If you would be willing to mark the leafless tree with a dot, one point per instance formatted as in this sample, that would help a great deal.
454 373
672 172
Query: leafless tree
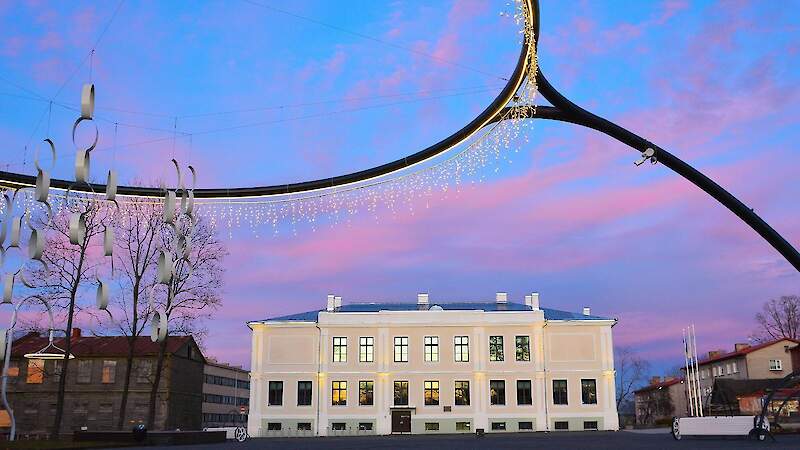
632 371
779 318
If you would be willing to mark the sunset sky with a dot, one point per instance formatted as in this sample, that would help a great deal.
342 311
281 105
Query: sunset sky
268 92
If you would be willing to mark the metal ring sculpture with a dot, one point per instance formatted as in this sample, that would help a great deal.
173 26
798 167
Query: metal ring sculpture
562 110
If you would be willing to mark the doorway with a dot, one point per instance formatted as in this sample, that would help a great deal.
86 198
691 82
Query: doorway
401 421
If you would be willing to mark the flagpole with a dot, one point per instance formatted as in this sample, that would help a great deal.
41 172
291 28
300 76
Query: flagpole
697 380
688 374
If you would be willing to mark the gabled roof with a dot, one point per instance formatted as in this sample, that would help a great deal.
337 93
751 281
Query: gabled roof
549 314
660 385
99 346
744 351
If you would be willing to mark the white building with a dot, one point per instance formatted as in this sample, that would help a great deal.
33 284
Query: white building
431 367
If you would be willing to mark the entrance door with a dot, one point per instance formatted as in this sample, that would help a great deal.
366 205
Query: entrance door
401 421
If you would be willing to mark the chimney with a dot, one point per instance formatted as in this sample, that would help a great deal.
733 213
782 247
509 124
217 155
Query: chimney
337 302
534 300
331 306
76 333
422 299
502 297
740 346
587 311
655 380
714 353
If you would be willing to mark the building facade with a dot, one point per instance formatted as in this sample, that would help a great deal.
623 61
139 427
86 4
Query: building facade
660 401
431 368
226 394
95 383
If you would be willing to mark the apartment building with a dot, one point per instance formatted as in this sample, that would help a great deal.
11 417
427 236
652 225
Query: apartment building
445 367
226 394
660 401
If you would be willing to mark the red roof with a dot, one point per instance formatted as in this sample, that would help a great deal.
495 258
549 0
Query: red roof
744 351
660 385
98 346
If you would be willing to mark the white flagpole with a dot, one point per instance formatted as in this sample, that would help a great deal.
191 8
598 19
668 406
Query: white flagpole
697 383
688 379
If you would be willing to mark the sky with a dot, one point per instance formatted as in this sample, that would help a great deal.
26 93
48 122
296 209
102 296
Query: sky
269 92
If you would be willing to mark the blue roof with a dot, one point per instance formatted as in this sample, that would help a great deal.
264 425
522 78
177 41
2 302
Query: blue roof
549 313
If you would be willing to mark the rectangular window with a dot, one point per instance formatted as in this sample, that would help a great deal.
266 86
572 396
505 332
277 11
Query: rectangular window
109 372
497 392
339 349
775 364
144 371
589 392
339 393
274 426
84 371
338 426
365 426
431 426
401 393
523 345
366 349
303 426
304 393
36 371
13 369
365 392
498 426
524 396
590 425
561 425
401 349
432 348
559 392
462 393
463 426
496 348
275 393
431 393
526 425
461 348
735 369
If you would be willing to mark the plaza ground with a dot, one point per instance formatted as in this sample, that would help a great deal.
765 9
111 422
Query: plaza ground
638 440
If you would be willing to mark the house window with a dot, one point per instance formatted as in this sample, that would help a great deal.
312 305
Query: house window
462 348
561 425
401 393
365 392
524 396
366 349
590 425
523 344
339 393
303 426
497 392
432 348
498 426
144 371
84 371
526 425
338 426
105 408
304 393
559 392
365 426
431 393
274 426
13 369
462 393
340 349
35 371
109 372
275 393
735 368
775 364
431 426
728 369
463 426
589 392
496 348
401 349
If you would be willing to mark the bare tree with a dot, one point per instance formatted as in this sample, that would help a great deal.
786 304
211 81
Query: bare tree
632 371
779 318
192 294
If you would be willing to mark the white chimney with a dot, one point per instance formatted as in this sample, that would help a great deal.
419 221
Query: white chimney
337 302
587 311
501 297
422 299
534 304
331 306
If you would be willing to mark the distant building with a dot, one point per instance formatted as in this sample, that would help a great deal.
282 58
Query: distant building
226 394
95 384
381 368
660 401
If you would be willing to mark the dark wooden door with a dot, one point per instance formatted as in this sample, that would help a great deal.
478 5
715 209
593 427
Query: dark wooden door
401 421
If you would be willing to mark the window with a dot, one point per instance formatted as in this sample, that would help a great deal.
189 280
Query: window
85 371
496 348
303 426
462 348
303 393
590 425
57 366
463 426
735 369
523 345
589 392
499 426
431 393
339 393
35 371
365 392
338 426
109 372
365 426
401 393
366 349
524 392
274 426
339 349
462 393
275 393
431 426
559 392
526 425
401 349
105 408
775 364
145 368
561 425
13 369
432 348
497 392
702 374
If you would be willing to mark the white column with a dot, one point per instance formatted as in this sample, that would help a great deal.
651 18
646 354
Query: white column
256 383
324 382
